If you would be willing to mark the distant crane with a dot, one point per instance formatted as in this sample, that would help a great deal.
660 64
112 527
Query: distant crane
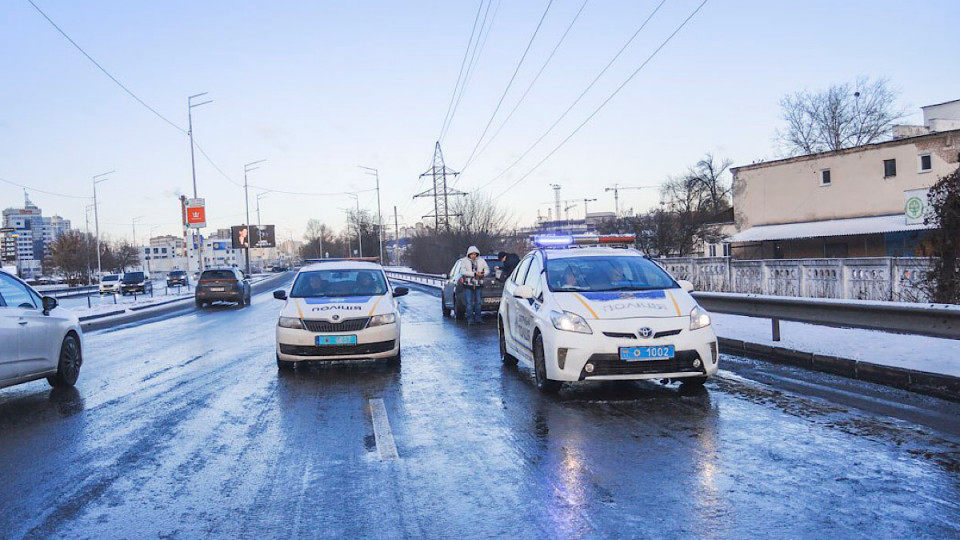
616 194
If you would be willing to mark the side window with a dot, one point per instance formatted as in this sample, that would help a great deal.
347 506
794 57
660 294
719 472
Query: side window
533 275
521 270
455 271
15 294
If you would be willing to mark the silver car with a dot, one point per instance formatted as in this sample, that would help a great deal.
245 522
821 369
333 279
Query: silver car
37 340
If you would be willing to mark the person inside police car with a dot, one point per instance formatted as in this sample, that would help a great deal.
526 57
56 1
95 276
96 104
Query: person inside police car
472 271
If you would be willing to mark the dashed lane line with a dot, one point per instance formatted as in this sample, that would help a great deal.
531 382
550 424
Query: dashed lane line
386 446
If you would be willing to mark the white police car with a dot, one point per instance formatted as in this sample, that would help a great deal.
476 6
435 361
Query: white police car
338 310
602 313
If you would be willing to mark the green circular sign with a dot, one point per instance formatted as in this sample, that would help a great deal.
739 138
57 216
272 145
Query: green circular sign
914 208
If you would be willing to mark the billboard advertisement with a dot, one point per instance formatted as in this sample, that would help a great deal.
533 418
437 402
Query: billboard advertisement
196 214
261 236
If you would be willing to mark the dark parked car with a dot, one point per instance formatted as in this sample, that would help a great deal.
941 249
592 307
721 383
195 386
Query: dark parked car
136 282
222 284
452 297
177 277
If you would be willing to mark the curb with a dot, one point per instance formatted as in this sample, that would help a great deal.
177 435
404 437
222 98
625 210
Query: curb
921 382
101 321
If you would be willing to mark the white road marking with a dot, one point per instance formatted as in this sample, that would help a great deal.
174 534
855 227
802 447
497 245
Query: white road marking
382 432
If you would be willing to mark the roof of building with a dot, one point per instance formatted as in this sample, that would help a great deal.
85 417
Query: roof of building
852 150
827 228
938 104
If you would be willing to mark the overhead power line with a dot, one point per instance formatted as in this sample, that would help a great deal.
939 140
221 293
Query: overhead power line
512 78
580 97
104 70
44 192
609 98
530 86
463 64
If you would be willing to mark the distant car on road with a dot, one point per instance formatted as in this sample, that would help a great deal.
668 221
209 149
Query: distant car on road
177 278
136 282
453 298
36 339
339 310
222 285
110 284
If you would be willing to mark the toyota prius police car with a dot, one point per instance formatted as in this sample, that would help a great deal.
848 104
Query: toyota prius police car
578 308
338 309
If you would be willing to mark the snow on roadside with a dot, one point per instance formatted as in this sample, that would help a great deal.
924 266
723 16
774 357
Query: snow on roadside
921 353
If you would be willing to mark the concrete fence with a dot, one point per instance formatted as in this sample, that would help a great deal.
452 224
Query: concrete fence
869 278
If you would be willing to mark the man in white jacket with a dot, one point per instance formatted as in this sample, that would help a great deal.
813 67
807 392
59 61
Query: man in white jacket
472 271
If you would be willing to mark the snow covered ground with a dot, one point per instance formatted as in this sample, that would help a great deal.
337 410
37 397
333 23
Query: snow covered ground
921 353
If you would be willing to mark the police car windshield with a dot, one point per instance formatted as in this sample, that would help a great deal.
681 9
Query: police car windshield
339 283
614 273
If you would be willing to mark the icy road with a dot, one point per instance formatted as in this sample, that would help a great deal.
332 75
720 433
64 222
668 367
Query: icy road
183 428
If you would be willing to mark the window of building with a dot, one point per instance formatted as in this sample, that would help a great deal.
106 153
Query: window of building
926 163
889 168
163 250
825 177
712 250
726 249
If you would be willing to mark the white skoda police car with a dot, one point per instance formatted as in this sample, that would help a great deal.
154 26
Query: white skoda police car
338 310
579 309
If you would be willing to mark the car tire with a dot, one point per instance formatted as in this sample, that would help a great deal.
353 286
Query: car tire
459 313
693 382
247 300
394 360
544 385
443 308
505 356
68 366
285 365
199 304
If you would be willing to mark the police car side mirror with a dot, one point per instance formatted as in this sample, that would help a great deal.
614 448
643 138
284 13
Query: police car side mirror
49 303
400 291
524 292
280 295
685 285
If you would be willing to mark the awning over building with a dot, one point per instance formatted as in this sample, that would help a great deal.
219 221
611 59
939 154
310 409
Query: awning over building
833 227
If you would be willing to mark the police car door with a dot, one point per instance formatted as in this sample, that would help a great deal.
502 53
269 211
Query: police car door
527 309
510 302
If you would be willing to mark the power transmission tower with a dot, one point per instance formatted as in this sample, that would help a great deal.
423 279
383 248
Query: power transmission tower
440 193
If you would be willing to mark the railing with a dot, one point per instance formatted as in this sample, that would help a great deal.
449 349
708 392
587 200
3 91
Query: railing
430 280
897 279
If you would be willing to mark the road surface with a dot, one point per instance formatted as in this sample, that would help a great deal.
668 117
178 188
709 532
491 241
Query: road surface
183 428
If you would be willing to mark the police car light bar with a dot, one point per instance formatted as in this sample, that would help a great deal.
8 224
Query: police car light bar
562 241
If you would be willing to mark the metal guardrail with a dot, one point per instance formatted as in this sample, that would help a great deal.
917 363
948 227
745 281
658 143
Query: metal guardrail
430 280
936 320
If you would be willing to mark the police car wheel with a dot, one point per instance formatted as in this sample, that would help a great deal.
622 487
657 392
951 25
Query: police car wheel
544 384
460 312
443 308
394 360
505 355
693 381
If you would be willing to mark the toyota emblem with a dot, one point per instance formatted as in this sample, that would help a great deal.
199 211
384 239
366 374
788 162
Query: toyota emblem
646 332
336 317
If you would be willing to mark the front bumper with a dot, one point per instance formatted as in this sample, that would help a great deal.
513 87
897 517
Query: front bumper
568 353
110 289
296 345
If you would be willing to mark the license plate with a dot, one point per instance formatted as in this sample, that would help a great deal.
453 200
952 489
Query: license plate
640 354
490 300
217 289
336 340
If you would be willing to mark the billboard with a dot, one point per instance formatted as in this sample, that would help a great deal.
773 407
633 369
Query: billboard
196 214
262 236
221 245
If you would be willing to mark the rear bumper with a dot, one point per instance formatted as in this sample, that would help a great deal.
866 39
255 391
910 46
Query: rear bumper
219 296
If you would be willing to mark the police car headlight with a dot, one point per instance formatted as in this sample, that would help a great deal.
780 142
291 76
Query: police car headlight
290 322
380 320
570 322
699 318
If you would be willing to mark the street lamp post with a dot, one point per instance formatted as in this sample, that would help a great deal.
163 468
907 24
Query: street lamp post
133 222
357 220
86 238
259 223
193 171
246 199
96 217
376 174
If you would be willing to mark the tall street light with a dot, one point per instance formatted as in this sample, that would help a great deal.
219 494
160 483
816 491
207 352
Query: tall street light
246 198
96 217
357 221
193 171
376 173
259 224
86 238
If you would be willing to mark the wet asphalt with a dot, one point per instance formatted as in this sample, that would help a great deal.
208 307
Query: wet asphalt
183 428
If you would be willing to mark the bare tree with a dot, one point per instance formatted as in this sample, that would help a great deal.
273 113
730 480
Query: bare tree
317 240
943 281
691 201
842 116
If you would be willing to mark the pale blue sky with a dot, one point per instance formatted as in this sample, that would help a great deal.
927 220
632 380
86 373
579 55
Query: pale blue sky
318 88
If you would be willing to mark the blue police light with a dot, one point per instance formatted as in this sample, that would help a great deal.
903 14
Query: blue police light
552 241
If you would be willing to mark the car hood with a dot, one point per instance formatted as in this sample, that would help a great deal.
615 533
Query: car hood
627 304
337 309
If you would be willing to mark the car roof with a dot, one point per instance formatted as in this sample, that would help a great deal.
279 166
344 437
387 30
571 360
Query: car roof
341 265
569 253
